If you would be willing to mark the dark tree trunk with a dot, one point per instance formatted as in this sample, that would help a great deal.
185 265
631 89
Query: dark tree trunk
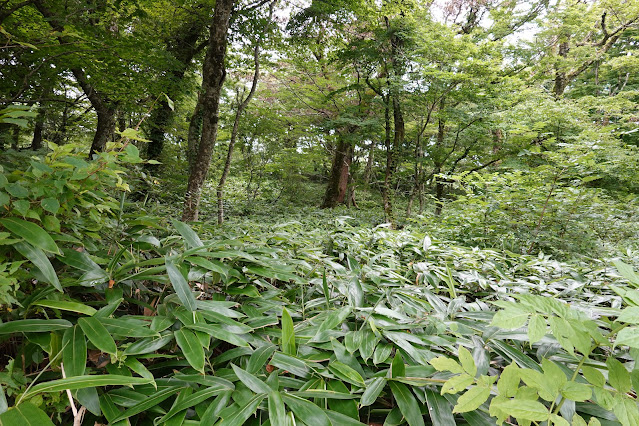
159 121
369 163
338 181
213 75
36 142
15 138
439 186
104 108
105 130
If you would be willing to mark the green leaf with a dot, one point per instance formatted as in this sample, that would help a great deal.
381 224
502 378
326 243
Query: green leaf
467 361
523 409
509 381
148 403
439 409
510 319
40 261
219 333
81 382
238 417
398 369
74 352
536 328
64 305
276 409
457 383
259 358
98 334
191 348
629 315
146 346
190 237
16 190
618 376
288 334
472 399
51 205
169 102
306 411
25 414
180 285
629 336
407 404
139 368
33 326
594 376
291 364
442 363
193 399
372 392
31 233
627 272
576 391
251 382
346 373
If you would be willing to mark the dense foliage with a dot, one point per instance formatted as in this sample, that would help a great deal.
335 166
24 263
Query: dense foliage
319 213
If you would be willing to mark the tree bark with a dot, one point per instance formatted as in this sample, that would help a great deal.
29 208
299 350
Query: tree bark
36 142
386 189
213 75
338 181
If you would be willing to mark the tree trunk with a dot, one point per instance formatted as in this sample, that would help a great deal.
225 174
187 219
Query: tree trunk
15 138
105 130
338 181
213 75
369 163
561 77
36 142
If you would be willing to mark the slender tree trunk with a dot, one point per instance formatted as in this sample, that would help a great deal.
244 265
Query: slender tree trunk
214 73
159 121
105 130
15 137
369 163
439 186
561 77
236 126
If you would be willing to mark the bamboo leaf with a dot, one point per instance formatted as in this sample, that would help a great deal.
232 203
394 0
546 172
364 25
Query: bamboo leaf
98 334
180 285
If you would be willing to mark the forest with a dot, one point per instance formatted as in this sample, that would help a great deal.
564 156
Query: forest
319 212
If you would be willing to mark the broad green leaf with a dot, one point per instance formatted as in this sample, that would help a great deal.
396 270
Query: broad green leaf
33 326
594 376
259 358
238 417
629 315
80 382
629 336
74 352
32 233
509 381
510 319
523 409
291 364
189 235
346 373
442 363
324 394
306 411
407 404
148 345
51 205
457 383
40 261
180 285
64 305
98 334
127 328
467 361
25 414
191 348
472 399
193 399
219 333
627 272
536 328
150 402
618 376
139 368
251 382
398 369
288 334
439 409
276 409
576 391
373 390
